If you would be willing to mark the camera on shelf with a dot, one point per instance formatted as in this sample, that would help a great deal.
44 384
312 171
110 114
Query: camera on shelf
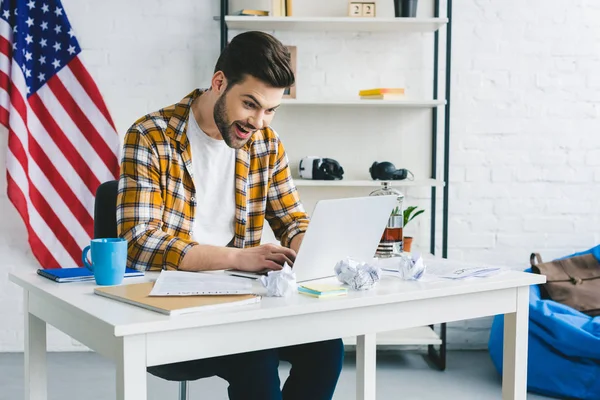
320 168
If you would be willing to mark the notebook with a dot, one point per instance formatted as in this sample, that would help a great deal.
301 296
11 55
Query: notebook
185 283
81 274
322 290
138 294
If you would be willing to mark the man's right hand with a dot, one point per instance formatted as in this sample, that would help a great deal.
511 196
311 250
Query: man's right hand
267 256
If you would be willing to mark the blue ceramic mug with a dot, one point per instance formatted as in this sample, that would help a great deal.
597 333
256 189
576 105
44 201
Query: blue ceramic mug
109 258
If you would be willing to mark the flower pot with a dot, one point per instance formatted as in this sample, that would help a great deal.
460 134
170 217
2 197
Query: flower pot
407 243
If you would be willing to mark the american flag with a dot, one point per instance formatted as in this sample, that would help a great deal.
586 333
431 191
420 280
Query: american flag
62 142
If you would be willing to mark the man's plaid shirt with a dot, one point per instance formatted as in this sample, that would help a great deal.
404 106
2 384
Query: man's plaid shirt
156 203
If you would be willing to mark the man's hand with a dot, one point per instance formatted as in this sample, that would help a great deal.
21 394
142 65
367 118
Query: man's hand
267 256
296 242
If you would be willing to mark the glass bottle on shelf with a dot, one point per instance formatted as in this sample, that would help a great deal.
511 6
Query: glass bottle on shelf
391 243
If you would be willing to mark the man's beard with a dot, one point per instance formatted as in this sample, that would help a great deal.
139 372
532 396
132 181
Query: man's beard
227 128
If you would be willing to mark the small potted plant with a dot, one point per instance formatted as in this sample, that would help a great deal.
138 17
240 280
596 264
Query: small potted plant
409 214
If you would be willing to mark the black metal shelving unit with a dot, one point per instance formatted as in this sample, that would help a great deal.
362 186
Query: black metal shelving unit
437 354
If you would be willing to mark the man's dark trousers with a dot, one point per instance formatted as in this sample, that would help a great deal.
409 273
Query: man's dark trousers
314 374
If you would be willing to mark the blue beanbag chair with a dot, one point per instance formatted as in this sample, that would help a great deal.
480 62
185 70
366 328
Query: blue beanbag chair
564 347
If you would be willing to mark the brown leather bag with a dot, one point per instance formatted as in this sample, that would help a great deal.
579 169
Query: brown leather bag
573 281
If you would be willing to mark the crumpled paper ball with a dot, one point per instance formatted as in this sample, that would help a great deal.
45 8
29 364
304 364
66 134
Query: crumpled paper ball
358 275
280 283
409 267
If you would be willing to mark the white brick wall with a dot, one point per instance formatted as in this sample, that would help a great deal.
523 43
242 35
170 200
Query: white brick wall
525 135
525 150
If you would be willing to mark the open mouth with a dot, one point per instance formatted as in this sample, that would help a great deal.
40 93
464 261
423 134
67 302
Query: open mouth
242 132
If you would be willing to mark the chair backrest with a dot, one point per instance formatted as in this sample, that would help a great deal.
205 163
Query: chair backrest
105 210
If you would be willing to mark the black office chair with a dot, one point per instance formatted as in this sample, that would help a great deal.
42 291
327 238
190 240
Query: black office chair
105 226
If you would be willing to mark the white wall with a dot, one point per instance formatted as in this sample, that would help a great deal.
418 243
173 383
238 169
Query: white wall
525 148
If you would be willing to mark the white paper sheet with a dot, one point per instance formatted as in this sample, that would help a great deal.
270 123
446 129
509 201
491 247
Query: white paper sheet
450 269
183 283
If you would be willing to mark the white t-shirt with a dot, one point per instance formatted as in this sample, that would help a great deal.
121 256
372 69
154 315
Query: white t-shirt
213 164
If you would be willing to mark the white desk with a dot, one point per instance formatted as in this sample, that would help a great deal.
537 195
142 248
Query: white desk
135 338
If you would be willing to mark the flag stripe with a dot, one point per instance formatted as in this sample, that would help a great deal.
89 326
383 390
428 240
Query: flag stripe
4 87
38 248
63 143
18 141
87 82
58 206
93 113
4 81
45 211
72 133
17 102
38 223
4 63
3 116
5 47
62 188
16 147
85 127
58 160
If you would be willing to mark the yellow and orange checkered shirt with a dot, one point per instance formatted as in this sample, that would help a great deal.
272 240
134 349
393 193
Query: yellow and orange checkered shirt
156 203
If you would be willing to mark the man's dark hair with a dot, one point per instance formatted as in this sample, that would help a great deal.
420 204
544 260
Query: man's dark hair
257 54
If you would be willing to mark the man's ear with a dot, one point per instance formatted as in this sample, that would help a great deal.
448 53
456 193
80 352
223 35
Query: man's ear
219 82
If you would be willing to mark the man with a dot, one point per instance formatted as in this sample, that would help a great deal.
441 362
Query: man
198 179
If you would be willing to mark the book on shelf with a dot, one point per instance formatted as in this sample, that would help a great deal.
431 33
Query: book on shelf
281 8
252 13
381 91
384 97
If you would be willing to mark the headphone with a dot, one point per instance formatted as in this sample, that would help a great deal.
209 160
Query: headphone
386 171
319 168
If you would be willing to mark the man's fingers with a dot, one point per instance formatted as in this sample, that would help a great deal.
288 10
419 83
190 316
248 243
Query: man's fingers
272 265
280 258
289 253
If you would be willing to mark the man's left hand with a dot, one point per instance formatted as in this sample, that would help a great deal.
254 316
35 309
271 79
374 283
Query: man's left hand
296 242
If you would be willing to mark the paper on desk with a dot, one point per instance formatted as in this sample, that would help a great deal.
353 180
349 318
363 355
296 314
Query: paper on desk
280 283
448 269
358 275
183 283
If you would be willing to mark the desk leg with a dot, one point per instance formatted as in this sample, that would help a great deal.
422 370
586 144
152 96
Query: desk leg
131 369
514 376
365 366
36 387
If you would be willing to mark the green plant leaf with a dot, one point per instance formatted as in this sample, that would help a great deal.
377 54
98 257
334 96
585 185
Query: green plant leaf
416 214
409 216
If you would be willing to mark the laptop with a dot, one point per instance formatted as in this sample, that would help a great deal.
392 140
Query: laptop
339 228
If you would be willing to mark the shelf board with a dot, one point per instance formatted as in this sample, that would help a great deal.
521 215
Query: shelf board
414 336
367 183
408 103
352 24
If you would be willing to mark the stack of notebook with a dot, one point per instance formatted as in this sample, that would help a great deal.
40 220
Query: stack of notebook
80 274
138 294
382 94
320 290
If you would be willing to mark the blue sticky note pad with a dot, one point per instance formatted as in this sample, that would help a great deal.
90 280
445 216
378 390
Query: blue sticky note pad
77 274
